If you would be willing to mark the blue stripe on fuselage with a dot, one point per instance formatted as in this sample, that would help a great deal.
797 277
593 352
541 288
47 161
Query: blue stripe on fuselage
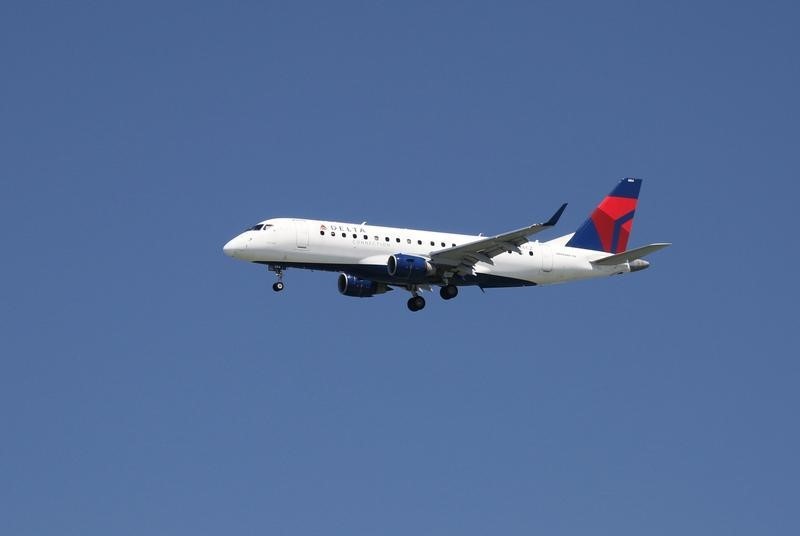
379 273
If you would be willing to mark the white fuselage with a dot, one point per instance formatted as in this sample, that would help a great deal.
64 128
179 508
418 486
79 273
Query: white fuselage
364 250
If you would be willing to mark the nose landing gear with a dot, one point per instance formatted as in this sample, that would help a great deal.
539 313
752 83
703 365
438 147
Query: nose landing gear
278 286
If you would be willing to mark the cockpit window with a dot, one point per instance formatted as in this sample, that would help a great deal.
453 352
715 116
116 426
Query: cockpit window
256 227
260 227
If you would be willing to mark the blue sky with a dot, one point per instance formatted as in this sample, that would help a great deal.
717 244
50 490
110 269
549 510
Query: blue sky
149 384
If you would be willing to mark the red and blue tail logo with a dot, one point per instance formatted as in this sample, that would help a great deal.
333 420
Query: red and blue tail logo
609 226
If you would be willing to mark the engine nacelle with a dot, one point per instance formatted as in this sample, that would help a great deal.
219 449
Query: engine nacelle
350 285
409 267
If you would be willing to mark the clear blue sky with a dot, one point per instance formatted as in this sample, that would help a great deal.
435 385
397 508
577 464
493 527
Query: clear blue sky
151 385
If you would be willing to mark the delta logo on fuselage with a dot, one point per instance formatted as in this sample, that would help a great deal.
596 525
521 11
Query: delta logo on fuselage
362 237
342 227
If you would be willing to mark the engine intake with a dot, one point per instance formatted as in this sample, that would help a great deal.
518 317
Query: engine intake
409 267
350 285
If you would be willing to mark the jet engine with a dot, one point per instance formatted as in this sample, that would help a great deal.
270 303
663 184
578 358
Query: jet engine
350 285
409 267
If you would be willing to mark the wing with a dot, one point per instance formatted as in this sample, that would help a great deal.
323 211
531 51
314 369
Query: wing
462 259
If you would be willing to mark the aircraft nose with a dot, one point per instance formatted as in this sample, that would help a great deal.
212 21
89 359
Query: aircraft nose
227 249
233 247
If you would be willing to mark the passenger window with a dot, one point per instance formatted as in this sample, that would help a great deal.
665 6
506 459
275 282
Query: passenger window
377 238
387 238
432 243
419 242
333 233
408 240
443 244
365 237
454 245
322 233
398 240
530 253
355 235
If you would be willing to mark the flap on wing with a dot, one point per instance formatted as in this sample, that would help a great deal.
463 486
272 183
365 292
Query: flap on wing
631 254
484 249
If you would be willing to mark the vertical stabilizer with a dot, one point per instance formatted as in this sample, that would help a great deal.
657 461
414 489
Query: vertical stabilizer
609 226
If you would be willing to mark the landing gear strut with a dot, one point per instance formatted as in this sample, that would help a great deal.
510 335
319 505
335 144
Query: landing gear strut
416 302
278 286
448 292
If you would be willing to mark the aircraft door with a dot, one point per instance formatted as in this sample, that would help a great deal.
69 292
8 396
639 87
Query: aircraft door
547 259
301 233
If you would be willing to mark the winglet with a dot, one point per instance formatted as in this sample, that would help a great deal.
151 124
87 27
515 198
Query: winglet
554 218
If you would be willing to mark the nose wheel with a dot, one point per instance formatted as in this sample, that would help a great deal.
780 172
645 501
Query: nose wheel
278 286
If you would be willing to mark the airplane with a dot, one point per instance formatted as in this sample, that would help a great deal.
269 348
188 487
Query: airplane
374 260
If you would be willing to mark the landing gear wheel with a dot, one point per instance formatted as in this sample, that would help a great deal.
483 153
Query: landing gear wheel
416 303
448 292
277 287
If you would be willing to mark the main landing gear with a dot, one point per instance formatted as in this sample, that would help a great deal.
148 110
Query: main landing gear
278 286
448 292
416 303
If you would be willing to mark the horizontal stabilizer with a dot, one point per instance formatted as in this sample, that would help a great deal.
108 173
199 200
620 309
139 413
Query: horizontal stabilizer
630 255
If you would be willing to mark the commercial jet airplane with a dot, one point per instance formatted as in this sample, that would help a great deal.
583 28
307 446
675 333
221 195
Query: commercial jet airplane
373 260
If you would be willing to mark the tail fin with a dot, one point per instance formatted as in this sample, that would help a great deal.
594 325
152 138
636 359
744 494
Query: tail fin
609 226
